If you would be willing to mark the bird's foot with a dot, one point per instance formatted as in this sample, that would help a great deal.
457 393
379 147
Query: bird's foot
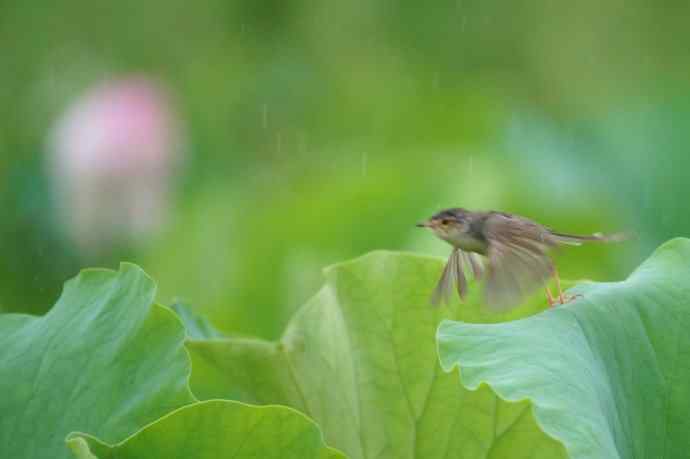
565 298
568 298
562 298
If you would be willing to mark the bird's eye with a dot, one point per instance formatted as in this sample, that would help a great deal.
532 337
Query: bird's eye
445 221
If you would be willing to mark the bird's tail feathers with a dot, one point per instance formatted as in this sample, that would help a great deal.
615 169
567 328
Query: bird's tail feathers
574 239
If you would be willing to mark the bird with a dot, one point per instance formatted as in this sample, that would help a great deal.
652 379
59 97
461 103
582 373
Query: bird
510 251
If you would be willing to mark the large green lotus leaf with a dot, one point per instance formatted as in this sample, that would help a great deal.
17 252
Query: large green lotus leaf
360 359
216 429
606 375
104 360
197 326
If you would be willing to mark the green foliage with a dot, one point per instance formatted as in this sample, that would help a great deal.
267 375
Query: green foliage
108 362
104 360
360 359
105 373
216 429
605 375
197 327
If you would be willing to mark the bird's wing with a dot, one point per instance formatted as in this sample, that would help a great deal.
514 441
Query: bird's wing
474 261
453 274
518 259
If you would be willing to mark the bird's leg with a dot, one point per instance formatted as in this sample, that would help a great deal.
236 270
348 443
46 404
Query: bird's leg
562 297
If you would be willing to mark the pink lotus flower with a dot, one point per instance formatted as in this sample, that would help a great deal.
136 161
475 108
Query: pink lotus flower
113 157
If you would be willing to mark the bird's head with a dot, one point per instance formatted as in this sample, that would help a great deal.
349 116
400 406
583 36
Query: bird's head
451 225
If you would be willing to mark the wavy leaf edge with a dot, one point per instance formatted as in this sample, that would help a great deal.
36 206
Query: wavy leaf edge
449 365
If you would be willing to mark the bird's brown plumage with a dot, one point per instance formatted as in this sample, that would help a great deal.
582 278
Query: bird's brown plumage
518 260
515 250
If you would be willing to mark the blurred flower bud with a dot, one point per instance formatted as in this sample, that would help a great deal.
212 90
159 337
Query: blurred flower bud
113 157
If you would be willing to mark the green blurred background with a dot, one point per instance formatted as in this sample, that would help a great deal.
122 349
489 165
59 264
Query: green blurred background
318 131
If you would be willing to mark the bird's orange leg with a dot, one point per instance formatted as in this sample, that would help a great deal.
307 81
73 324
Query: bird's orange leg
562 297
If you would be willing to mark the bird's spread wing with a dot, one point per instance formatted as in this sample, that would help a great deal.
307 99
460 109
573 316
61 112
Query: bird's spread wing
518 260
453 275
473 260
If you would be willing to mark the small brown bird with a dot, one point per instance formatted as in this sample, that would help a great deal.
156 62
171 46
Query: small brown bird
515 249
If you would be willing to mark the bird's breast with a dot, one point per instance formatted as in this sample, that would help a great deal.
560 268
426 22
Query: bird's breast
469 244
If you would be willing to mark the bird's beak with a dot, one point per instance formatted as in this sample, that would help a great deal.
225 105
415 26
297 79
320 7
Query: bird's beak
423 224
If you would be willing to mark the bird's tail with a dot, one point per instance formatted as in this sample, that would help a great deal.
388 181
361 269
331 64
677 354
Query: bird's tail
574 239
